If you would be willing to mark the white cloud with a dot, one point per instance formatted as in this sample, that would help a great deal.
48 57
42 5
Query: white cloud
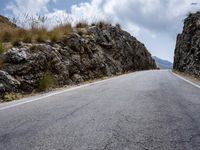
133 15
137 15
155 18
88 11
19 7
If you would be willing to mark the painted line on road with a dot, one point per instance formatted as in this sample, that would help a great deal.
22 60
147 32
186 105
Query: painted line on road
57 93
53 94
188 81
43 97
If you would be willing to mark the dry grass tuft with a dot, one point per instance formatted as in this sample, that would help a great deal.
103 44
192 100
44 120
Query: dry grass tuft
11 96
38 33
59 32
34 35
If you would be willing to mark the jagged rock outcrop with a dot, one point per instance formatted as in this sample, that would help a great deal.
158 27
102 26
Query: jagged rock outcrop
75 58
187 52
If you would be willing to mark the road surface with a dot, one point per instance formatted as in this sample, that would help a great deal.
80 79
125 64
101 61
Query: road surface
150 110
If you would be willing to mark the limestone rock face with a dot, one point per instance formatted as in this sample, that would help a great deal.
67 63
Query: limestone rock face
187 52
74 59
8 83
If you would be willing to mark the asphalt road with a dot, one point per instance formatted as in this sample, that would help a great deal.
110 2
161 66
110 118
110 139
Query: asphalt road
150 110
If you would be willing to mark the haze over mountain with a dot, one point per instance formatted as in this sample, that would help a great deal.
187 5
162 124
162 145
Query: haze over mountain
163 64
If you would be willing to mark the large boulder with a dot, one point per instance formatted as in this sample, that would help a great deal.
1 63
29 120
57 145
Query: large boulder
187 52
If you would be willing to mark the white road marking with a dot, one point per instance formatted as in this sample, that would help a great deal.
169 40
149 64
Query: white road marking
51 94
190 82
56 93
43 97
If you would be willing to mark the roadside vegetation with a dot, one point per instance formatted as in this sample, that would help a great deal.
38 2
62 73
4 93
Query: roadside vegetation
47 82
34 30
12 96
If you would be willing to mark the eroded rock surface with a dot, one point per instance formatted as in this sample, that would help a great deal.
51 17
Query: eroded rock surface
75 58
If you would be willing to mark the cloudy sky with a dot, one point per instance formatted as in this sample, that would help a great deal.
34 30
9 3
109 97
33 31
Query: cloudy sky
154 22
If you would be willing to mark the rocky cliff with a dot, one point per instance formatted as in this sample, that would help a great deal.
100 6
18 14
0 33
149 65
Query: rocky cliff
91 54
187 52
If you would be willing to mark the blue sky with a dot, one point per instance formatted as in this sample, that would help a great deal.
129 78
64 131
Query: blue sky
156 23
60 4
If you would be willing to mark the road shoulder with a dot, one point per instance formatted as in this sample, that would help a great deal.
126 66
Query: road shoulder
195 81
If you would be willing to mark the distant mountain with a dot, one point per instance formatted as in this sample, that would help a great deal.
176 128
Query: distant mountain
163 64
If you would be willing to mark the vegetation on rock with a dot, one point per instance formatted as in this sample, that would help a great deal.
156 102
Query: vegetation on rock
46 82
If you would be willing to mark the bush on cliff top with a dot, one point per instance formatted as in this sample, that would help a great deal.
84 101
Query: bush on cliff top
38 32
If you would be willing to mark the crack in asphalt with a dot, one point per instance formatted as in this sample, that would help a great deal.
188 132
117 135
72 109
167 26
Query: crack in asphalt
150 111
74 111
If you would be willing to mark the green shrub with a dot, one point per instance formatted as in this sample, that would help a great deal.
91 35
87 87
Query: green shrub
47 82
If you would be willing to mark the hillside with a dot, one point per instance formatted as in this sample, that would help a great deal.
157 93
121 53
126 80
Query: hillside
5 23
163 64
87 53
187 52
